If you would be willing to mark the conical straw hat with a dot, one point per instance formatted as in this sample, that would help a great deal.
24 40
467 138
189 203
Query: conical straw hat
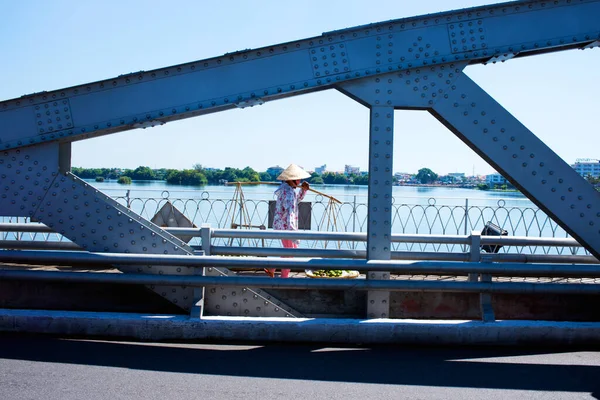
292 173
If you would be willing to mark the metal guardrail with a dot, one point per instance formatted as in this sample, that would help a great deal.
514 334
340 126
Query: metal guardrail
41 257
479 267
429 216
257 251
339 284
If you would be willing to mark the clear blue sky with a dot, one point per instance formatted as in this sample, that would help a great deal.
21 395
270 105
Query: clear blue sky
49 45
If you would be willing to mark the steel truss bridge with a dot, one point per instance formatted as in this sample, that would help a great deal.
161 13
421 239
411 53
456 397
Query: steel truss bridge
412 63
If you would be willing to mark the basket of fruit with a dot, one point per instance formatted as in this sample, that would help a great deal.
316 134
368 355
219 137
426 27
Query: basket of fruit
333 273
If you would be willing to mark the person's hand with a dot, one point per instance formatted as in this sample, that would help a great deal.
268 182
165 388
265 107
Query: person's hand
305 185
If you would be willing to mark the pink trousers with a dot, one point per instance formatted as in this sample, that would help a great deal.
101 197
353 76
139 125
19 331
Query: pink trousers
288 244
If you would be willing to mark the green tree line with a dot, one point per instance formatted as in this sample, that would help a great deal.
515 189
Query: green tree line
198 176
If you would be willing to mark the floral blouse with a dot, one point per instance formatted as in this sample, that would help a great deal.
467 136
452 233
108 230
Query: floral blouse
286 207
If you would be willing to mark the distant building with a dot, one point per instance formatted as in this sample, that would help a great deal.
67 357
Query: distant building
403 177
321 170
495 179
457 176
349 169
587 166
275 171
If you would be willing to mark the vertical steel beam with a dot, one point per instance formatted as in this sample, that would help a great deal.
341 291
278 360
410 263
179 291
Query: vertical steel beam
379 230
64 157
416 88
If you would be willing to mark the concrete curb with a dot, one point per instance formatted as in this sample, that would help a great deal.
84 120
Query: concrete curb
349 331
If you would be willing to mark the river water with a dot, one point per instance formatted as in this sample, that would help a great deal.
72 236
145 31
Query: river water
416 209
423 195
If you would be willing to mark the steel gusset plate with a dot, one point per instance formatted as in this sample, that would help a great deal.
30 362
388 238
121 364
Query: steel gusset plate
242 302
33 187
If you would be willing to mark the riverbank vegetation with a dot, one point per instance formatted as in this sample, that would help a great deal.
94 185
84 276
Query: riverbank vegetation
199 176
124 180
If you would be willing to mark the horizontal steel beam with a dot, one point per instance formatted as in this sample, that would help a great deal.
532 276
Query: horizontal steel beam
403 255
335 253
40 257
303 284
333 236
147 328
38 245
25 227
250 77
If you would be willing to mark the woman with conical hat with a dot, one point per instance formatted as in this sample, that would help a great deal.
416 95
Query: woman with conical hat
286 206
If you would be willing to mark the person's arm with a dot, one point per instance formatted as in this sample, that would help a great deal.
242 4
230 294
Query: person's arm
303 189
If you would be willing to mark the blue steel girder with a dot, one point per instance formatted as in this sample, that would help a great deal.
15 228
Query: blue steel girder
244 78
522 158
33 185
379 228
407 63
493 133
418 88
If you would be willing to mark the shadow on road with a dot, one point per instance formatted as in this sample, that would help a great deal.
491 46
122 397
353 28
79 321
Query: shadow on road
467 367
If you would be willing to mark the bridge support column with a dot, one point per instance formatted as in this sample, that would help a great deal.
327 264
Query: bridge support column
381 151
382 95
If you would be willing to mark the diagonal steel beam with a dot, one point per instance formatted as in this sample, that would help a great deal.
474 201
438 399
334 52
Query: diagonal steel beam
498 137
522 158
34 186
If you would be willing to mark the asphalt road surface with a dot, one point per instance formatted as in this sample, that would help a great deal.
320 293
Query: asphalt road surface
52 368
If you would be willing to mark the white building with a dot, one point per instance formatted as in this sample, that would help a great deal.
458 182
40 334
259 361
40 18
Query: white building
587 166
349 169
457 176
495 179
321 170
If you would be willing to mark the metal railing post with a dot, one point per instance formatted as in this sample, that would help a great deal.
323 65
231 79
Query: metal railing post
354 220
475 251
198 306
485 299
466 219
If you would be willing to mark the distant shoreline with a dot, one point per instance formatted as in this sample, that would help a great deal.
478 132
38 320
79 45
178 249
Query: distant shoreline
455 185
431 185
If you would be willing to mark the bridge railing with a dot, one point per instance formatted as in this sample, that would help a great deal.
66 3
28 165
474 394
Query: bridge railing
210 240
479 273
478 266
422 216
